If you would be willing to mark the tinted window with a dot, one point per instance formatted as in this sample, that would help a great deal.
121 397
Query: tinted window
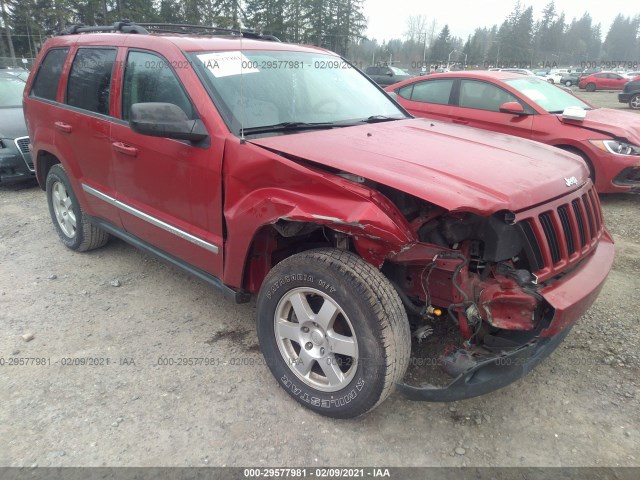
48 77
601 75
432 91
148 78
483 95
89 83
405 92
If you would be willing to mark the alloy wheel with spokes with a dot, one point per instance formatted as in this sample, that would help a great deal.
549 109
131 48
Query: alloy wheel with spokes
316 338
63 209
635 102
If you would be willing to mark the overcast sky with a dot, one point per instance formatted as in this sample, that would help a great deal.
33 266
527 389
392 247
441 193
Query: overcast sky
388 19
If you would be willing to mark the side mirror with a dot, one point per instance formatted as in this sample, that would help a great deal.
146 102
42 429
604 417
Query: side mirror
574 113
165 120
512 107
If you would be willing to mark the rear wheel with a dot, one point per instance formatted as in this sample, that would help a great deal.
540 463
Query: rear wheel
568 83
591 87
333 331
550 80
634 102
73 227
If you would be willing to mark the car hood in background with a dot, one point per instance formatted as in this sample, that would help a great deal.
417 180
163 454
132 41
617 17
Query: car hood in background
616 123
456 167
12 123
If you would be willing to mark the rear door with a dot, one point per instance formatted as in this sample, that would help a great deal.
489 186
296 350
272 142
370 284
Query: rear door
83 128
428 98
169 191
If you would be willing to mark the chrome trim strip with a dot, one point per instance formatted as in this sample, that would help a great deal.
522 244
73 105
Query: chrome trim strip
15 140
152 220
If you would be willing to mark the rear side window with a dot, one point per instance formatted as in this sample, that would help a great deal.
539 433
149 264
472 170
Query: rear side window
432 91
89 83
48 77
148 78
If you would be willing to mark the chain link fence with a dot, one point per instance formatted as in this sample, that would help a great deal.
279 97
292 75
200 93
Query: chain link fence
17 62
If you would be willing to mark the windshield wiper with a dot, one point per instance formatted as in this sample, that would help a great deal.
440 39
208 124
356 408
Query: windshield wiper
290 126
380 118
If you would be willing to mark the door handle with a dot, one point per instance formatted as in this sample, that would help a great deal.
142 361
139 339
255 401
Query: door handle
127 150
63 127
460 121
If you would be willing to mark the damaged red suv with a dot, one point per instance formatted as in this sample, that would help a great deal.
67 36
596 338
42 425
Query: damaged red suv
280 171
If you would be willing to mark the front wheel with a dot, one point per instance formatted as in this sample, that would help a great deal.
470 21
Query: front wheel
591 87
568 83
634 102
333 331
72 225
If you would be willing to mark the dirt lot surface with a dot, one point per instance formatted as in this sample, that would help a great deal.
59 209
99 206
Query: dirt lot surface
126 310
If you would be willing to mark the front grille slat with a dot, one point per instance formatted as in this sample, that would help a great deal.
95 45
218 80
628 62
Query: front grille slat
551 236
567 229
587 206
580 219
563 233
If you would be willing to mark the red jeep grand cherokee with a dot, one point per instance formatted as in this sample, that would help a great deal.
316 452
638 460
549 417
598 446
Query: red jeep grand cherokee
281 171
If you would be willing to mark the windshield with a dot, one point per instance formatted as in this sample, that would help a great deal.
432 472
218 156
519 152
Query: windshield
551 98
269 88
11 91
398 71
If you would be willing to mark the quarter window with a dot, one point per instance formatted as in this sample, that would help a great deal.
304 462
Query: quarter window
148 78
48 77
89 84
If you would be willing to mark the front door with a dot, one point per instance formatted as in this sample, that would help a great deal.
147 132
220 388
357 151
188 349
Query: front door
169 191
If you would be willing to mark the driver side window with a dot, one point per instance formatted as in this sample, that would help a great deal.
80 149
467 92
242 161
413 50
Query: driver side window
148 78
483 96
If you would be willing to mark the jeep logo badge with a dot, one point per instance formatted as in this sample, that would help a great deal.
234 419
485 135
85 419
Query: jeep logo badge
571 181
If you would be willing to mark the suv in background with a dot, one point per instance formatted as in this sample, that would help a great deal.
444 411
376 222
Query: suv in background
385 76
631 94
281 171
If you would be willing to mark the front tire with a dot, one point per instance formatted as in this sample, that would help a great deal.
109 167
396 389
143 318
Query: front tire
72 225
333 331
568 83
634 102
591 87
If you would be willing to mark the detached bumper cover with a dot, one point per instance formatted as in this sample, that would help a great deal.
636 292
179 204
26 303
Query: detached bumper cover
570 296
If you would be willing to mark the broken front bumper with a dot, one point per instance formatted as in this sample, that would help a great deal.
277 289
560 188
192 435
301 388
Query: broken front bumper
570 297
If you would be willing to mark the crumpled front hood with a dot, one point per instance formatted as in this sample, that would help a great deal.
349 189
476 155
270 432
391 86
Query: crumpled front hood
456 167
616 123
12 123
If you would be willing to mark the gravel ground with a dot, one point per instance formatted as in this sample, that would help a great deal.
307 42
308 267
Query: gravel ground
118 305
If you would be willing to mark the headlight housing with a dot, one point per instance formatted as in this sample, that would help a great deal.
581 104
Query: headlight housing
616 147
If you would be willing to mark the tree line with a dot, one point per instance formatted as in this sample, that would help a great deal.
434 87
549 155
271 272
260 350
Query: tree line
521 40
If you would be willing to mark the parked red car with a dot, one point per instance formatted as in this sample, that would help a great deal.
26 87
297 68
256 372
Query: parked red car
525 106
281 171
602 81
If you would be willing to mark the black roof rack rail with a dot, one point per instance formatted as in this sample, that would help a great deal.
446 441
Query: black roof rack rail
204 30
126 26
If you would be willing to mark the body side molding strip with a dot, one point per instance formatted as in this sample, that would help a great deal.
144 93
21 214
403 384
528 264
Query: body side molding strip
152 220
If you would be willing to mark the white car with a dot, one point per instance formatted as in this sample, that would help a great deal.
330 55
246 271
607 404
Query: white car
555 76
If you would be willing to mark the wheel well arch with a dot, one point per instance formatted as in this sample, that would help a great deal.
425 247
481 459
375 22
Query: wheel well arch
273 243
44 162
583 155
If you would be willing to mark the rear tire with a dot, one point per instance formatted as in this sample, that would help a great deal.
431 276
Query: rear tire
591 87
568 83
634 102
333 332
72 225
